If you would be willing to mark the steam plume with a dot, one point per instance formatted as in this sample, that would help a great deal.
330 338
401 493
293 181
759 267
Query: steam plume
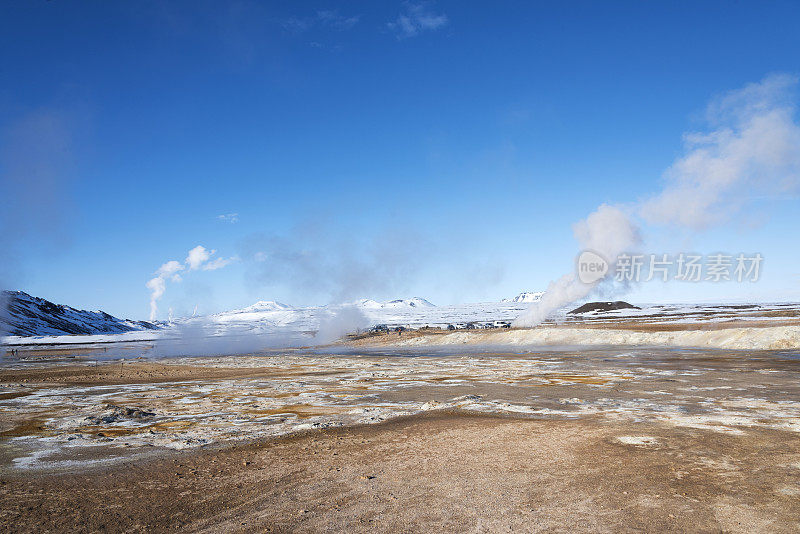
158 284
339 322
751 150
314 263
607 231
203 337
199 258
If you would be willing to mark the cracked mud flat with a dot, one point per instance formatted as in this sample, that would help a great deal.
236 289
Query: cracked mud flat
399 439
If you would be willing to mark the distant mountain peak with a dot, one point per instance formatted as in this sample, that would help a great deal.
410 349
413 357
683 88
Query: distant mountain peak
262 306
527 296
25 315
370 304
414 302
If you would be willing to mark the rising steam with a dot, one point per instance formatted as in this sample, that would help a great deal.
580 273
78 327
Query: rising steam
315 264
158 285
751 150
203 336
199 258
609 232
338 322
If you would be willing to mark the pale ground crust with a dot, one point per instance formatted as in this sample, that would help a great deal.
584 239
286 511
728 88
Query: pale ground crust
616 440
437 472
730 335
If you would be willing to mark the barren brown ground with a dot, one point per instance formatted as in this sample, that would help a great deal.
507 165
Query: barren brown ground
449 471
444 472
129 372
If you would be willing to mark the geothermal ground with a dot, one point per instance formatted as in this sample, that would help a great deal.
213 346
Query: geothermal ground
410 432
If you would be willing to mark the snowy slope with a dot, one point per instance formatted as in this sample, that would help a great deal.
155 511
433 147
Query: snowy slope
415 302
25 315
527 296
263 306
399 304
417 313
275 319
413 312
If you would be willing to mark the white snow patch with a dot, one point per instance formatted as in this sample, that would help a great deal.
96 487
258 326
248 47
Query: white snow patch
638 440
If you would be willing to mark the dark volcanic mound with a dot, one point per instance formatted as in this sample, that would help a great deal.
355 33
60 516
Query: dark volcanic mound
604 307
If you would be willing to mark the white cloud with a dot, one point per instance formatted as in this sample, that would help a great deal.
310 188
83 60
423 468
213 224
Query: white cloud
219 263
327 18
753 149
296 25
415 19
333 19
232 218
197 257
169 268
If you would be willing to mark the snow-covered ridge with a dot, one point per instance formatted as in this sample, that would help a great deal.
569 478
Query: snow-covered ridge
261 306
416 302
413 312
29 316
268 306
269 318
24 315
526 296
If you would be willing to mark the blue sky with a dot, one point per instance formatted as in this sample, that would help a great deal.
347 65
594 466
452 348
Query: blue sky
441 149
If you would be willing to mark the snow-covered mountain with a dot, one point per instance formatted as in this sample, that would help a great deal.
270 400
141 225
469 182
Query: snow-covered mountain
409 312
263 306
527 296
369 304
28 316
416 302
31 316
24 315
